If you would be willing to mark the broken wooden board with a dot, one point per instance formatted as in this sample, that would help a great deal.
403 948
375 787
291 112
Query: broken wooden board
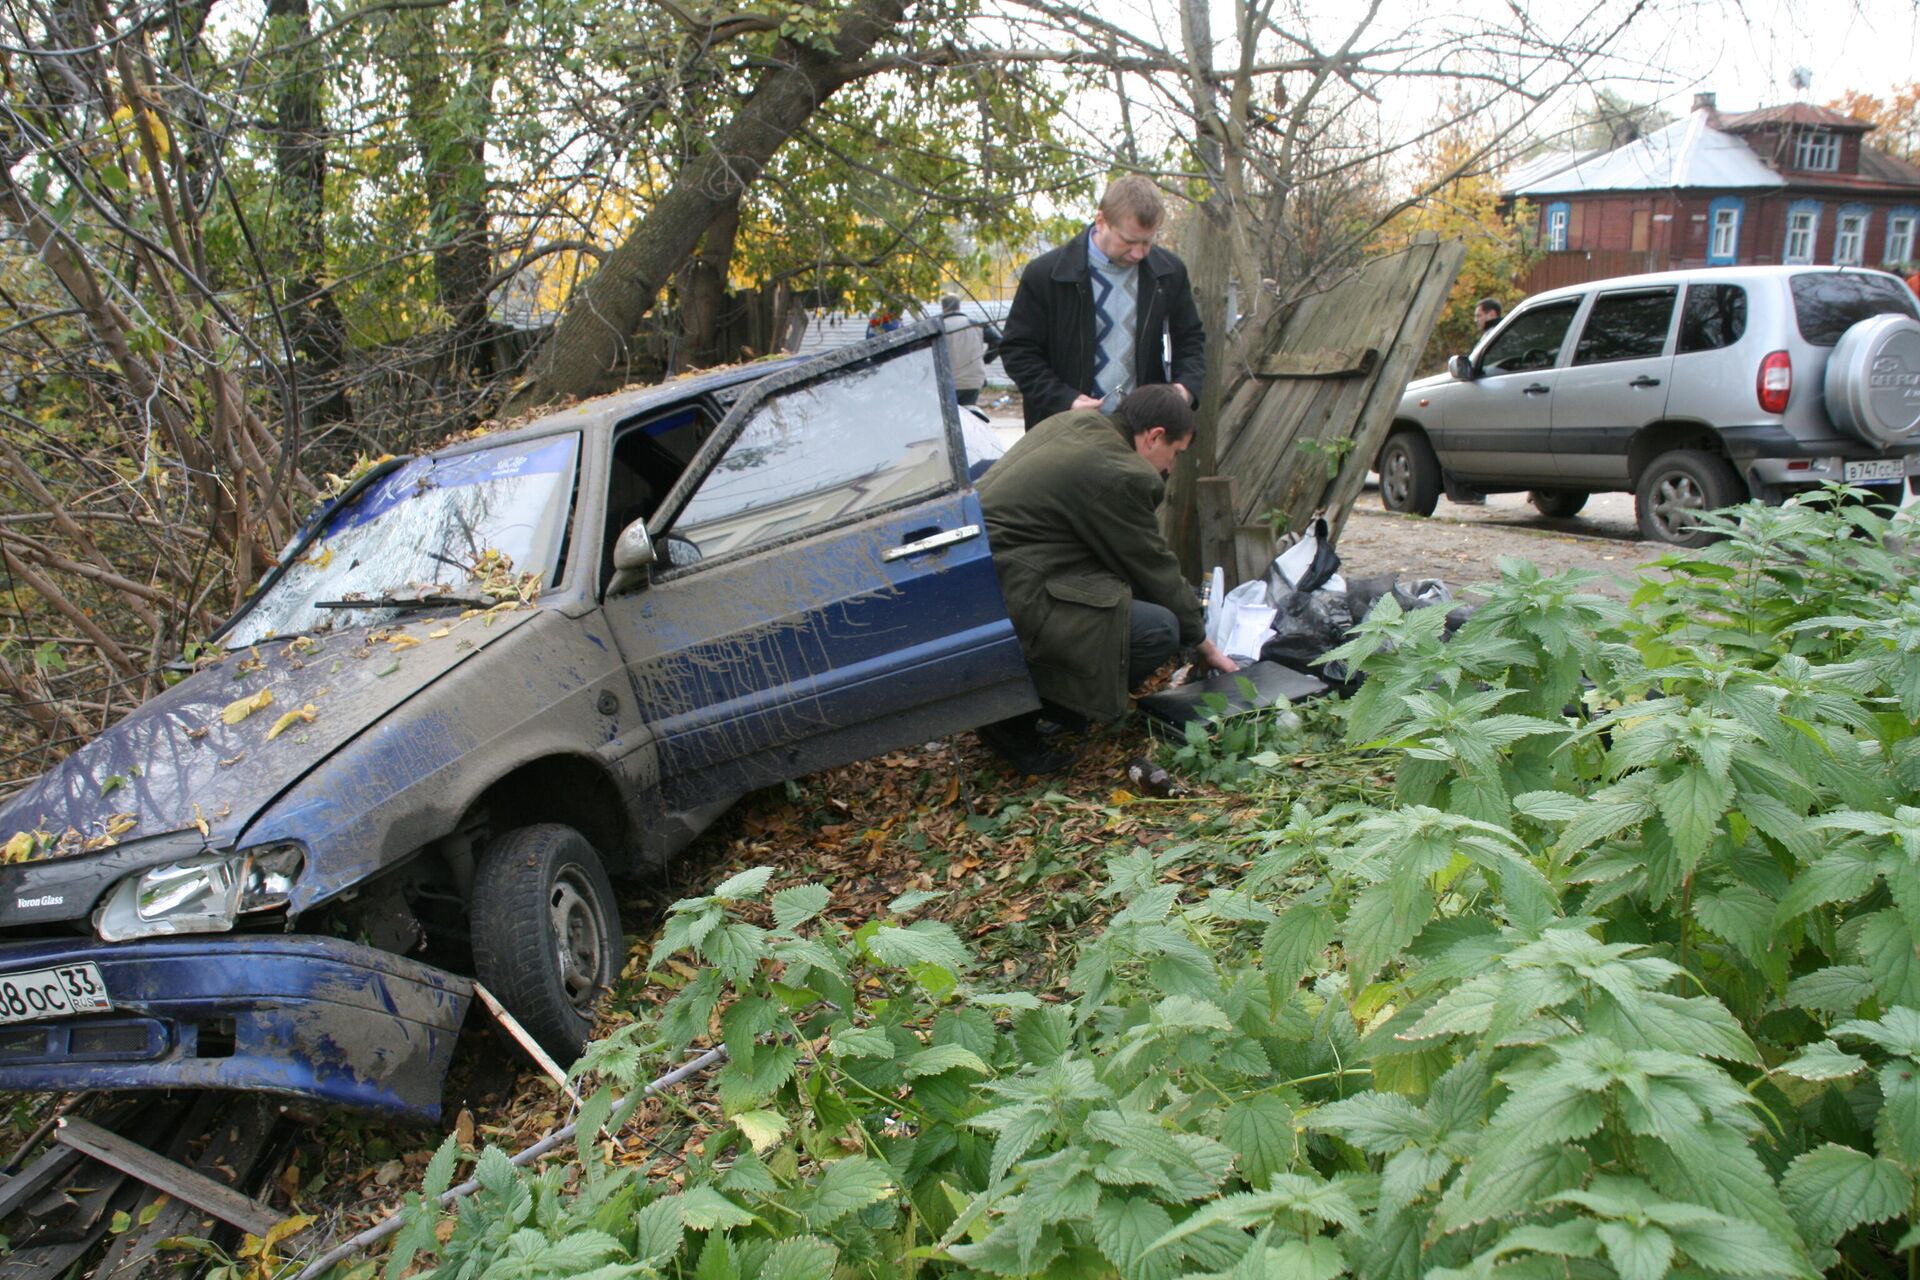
1319 364
1297 445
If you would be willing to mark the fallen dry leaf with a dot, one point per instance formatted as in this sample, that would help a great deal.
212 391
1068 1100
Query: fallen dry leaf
400 642
240 708
19 847
304 715
440 633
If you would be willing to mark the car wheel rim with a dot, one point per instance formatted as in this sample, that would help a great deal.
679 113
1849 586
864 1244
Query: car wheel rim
1677 504
577 942
1396 477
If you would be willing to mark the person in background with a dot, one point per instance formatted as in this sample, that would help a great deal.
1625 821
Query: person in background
1913 278
1486 314
1105 313
1095 593
967 345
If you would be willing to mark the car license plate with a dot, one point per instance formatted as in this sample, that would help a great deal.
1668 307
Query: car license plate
52 993
1878 469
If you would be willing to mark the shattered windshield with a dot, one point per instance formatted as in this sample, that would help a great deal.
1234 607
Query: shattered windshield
421 530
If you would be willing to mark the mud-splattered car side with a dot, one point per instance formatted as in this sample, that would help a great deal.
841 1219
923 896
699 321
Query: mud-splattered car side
479 682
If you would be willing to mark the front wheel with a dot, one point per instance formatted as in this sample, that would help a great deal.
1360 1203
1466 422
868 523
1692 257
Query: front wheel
546 932
1559 503
1409 474
1676 489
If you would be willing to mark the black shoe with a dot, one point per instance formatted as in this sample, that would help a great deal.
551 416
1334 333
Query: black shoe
1018 743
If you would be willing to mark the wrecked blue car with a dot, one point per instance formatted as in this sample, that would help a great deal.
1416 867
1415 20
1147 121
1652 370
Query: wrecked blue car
479 682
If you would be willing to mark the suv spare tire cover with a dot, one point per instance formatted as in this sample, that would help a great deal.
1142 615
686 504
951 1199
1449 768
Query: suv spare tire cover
1873 380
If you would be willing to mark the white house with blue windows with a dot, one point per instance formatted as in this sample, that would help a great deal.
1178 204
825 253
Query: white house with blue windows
1793 184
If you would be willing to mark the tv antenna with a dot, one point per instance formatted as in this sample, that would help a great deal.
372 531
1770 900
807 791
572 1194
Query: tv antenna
1801 78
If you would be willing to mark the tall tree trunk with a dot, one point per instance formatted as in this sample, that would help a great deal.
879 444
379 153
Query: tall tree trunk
300 161
703 291
591 339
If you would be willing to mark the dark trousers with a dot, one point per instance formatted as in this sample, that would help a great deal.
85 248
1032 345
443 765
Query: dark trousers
1155 637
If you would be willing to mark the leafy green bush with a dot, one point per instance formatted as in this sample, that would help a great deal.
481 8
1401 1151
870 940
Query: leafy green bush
1625 983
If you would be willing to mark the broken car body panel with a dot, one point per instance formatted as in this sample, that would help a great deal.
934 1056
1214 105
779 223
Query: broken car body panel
825 594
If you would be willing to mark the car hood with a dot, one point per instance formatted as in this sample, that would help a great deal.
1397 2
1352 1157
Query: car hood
217 748
1429 382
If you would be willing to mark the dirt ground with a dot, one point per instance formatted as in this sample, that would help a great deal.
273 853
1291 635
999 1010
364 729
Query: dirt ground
1462 545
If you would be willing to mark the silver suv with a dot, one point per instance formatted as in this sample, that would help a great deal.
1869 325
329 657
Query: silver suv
1693 390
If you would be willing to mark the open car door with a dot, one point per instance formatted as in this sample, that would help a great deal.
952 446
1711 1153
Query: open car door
823 590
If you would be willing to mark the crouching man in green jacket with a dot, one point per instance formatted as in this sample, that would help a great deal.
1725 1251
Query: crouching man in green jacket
1095 593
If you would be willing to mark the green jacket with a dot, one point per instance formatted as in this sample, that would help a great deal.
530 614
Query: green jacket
1070 518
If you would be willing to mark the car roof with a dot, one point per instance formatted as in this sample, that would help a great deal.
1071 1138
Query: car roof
616 406
1655 278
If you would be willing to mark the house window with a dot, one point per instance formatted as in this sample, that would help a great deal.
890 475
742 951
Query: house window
1850 237
1817 149
1803 223
1557 217
1899 238
1724 246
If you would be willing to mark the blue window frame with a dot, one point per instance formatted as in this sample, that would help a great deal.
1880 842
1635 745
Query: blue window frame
1724 216
1902 222
1803 231
1559 217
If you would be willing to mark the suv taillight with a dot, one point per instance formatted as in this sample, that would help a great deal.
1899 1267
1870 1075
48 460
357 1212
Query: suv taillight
1775 383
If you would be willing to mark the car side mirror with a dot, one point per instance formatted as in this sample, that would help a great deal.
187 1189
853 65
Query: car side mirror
632 553
1460 367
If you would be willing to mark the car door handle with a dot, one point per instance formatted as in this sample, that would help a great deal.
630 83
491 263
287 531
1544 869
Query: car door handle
1644 381
934 542
1537 389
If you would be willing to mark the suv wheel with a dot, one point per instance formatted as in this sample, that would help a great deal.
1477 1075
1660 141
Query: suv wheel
546 932
1409 474
1558 502
1676 488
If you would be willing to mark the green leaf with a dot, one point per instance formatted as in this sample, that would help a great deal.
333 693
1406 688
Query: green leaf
1698 1025
912 900
922 942
1714 1166
1260 1132
1833 1189
1185 1011
1692 804
1841 876
1840 989
1316 1259
1897 1031
747 884
1547 806
763 1129
1641 1252
1822 1060
1377 1123
794 907
944 1057
1022 1128
704 1209
658 1230
1900 1114
861 1042
1510 1186
1735 1248
847 1186
800 1258
439 1175
1377 930
1886 945
1297 941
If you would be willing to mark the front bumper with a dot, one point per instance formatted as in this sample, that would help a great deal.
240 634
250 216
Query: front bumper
312 1017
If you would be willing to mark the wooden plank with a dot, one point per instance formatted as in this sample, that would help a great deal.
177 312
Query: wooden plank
1252 550
182 1183
36 1177
1319 364
1213 497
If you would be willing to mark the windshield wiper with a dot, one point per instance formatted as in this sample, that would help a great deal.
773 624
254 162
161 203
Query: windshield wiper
418 600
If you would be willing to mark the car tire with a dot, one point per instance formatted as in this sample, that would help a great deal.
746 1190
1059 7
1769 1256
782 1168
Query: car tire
1675 488
1409 474
546 932
1559 503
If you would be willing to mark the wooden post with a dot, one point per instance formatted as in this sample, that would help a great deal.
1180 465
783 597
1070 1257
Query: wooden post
1213 498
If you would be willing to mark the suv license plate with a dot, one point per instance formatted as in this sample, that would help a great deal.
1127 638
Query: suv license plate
52 993
1878 469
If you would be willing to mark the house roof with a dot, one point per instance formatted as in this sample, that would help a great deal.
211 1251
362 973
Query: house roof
1542 166
1688 153
1794 113
1878 166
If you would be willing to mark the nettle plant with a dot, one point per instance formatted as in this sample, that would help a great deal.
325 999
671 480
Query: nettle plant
1624 984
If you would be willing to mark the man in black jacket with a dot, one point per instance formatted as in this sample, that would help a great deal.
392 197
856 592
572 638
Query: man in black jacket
1093 319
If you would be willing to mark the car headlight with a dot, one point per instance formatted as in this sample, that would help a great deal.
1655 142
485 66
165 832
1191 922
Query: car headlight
203 894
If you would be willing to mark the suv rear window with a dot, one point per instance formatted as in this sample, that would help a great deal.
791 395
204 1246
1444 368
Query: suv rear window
1715 317
1828 303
